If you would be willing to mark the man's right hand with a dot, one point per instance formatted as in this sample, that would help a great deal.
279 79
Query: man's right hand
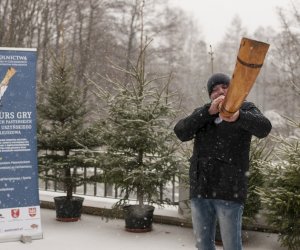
214 106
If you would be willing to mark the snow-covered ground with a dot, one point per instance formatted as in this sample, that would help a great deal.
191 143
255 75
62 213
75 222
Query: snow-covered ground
97 233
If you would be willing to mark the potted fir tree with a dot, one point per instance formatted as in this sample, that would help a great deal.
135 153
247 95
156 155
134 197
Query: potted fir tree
140 144
61 113
259 156
281 192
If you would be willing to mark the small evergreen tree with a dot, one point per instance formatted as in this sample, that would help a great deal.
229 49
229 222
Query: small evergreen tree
259 156
61 127
281 194
141 149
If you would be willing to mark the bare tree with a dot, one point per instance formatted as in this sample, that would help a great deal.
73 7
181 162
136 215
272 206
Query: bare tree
226 51
287 61
18 22
263 90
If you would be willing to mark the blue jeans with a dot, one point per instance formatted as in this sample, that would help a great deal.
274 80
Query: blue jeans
206 212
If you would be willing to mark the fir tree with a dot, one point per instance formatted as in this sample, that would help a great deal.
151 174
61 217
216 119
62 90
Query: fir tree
140 144
61 127
259 157
281 194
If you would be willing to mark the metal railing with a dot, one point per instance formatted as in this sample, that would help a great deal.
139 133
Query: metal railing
97 189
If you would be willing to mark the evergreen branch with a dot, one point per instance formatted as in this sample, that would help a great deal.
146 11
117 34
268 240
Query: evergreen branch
120 69
101 93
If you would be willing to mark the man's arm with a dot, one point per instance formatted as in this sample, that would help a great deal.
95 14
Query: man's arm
186 128
252 120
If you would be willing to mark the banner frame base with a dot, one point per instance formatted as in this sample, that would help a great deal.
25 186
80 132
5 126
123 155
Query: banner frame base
19 237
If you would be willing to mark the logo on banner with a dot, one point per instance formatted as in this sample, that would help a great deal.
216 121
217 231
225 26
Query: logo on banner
5 81
15 213
34 226
32 211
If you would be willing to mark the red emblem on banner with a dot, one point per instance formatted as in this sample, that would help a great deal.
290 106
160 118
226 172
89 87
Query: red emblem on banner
15 213
34 226
32 211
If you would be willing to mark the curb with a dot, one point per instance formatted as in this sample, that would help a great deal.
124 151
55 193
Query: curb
109 213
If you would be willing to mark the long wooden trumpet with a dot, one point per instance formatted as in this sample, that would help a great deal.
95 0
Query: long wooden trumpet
250 58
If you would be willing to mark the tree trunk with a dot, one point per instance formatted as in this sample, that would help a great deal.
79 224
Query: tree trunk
68 182
140 196
140 192
68 179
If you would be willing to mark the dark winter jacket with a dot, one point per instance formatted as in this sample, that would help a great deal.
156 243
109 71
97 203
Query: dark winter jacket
220 162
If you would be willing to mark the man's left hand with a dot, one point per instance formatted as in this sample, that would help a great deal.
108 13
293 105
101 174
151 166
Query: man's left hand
232 118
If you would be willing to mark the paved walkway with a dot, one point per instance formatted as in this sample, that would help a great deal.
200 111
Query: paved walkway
96 233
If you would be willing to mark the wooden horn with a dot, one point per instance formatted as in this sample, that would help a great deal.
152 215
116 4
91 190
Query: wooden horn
250 58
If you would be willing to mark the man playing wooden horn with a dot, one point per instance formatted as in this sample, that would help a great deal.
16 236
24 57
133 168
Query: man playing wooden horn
219 165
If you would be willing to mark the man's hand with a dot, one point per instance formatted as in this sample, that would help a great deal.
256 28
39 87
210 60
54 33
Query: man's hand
232 118
214 107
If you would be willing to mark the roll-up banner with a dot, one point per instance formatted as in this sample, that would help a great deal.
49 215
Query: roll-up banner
19 196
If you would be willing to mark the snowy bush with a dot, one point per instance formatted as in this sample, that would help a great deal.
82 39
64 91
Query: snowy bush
137 130
259 156
62 112
281 193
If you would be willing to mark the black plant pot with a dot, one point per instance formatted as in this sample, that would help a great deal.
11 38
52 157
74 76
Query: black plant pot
68 210
138 219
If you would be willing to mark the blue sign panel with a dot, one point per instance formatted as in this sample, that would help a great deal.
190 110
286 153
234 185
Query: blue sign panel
19 198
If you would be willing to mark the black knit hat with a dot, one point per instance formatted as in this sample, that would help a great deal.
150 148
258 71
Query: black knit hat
215 79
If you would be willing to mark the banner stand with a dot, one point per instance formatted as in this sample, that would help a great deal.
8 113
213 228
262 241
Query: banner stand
22 238
20 218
